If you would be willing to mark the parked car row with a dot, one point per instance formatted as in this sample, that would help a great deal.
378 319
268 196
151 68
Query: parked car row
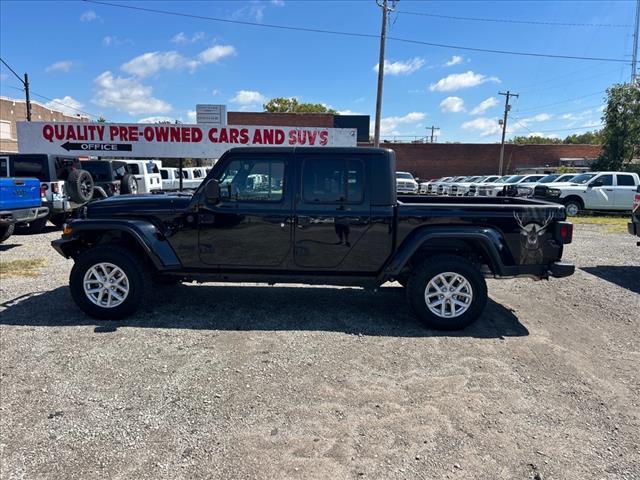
610 191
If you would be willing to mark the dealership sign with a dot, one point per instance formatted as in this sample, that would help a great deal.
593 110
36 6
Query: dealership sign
167 140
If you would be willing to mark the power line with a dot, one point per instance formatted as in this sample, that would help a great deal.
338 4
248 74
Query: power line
56 101
539 107
356 34
527 22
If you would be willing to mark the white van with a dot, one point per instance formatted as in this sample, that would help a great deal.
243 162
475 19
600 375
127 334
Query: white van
170 178
147 172
192 177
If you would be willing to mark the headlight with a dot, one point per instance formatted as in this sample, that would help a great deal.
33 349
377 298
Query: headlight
524 191
553 192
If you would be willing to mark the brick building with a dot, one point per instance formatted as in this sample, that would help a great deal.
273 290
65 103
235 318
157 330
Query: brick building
13 110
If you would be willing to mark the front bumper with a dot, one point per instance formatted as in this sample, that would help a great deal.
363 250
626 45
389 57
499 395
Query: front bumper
24 215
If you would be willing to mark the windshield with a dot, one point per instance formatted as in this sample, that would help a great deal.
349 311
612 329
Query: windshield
472 179
458 179
565 178
406 175
584 178
503 179
514 179
548 178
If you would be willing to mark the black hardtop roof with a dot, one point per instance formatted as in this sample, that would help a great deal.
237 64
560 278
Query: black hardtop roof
326 150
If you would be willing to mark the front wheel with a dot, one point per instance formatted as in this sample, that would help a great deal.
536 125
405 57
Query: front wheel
447 292
109 282
572 207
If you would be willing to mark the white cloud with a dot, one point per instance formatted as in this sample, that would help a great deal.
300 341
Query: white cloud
110 40
401 68
458 81
277 3
389 125
155 119
215 53
152 62
67 105
455 60
3 76
127 94
484 126
485 105
541 134
215 92
88 16
253 12
248 97
452 105
61 66
191 116
349 112
183 39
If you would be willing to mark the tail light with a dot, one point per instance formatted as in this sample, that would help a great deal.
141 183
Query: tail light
636 202
43 189
564 232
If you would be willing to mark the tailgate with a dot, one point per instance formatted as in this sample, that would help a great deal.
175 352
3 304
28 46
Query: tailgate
17 193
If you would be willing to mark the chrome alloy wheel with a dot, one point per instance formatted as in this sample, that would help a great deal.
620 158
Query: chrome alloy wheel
106 285
572 209
448 295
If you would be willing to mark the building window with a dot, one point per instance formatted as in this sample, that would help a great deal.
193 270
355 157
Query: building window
5 130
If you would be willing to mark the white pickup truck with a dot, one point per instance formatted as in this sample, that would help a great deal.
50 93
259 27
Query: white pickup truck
593 191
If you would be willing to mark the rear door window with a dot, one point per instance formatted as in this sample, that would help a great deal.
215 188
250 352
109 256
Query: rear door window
327 180
625 180
135 169
31 167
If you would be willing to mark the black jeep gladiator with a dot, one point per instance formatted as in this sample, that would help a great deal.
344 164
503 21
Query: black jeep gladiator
311 215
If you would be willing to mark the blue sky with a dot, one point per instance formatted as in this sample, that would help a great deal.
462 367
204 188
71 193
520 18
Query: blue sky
131 65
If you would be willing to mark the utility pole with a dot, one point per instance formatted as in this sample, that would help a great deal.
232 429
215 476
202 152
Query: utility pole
25 84
634 62
507 107
433 129
384 4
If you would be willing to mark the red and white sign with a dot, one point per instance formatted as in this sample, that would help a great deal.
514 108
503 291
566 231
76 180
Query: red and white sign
168 141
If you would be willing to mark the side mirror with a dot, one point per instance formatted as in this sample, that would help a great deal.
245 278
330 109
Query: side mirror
596 183
212 191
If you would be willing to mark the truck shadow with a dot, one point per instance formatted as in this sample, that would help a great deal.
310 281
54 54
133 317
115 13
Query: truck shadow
246 308
624 276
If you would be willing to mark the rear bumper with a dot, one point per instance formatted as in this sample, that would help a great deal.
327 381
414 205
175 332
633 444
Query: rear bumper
24 215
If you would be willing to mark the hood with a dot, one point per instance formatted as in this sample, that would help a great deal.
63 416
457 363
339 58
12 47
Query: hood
134 204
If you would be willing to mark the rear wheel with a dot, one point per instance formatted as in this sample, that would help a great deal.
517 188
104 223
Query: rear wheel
128 185
6 231
79 185
109 282
447 292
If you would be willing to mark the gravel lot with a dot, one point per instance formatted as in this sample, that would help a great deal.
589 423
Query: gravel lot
247 381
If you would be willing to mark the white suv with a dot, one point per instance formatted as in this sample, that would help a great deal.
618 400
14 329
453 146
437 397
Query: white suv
596 191
147 174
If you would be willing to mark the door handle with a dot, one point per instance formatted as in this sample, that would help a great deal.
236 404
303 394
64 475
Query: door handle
609 189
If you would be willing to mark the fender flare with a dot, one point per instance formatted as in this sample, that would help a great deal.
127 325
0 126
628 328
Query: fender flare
489 240
146 234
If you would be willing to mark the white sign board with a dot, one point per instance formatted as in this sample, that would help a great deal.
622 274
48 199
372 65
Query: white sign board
168 141
211 114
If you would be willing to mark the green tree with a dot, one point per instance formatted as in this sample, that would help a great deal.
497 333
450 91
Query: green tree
101 119
621 133
291 105
587 138
535 140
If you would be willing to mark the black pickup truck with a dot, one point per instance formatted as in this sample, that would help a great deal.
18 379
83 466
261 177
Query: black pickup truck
311 215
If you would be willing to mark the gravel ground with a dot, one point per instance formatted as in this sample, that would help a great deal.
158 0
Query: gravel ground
248 381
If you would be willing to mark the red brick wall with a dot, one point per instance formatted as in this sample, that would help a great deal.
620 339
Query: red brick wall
430 160
281 119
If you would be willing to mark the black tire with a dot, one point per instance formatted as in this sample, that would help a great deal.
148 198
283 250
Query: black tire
572 207
58 219
6 231
80 185
428 270
138 277
36 226
128 185
403 280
